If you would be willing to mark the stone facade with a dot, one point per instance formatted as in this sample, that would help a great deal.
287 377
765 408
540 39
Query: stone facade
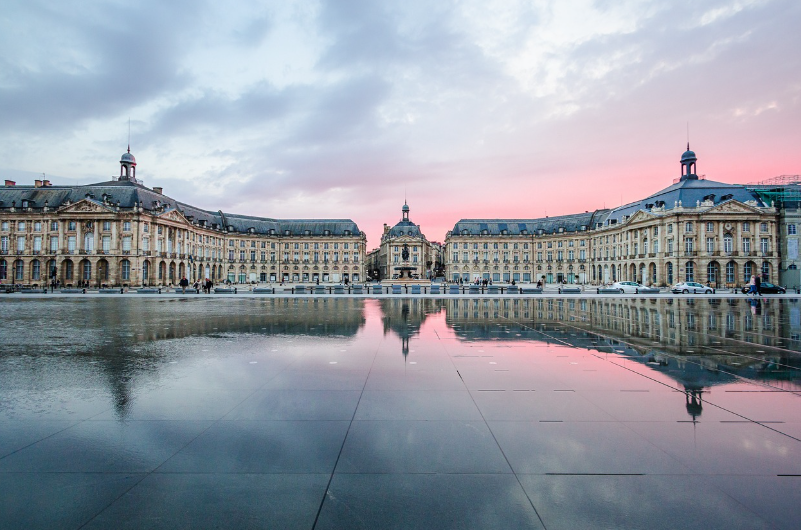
122 233
694 230
404 251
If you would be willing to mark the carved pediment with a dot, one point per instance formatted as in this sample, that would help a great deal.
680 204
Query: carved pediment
85 206
733 206
173 215
640 215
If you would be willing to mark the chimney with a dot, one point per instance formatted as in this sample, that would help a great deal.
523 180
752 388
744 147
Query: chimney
386 228
45 183
158 189
10 183
37 183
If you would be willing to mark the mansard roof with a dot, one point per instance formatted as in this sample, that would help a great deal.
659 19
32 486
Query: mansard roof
548 225
404 228
127 194
689 192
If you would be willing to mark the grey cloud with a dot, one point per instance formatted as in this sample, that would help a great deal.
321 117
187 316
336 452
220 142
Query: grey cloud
128 56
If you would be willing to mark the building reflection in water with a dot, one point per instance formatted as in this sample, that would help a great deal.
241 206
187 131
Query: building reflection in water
698 343
102 338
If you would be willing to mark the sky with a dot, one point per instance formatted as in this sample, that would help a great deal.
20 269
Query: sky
346 108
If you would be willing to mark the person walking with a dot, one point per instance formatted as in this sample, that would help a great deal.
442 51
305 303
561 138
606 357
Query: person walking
758 285
184 283
752 285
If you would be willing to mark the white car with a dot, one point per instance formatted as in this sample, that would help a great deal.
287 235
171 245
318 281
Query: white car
628 287
691 287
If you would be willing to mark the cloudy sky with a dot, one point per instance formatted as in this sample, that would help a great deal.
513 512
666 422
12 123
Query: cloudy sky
340 109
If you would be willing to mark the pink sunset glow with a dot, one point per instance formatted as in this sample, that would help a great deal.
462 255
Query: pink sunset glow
343 109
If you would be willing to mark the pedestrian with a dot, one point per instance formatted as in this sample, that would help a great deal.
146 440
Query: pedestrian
758 285
184 283
752 285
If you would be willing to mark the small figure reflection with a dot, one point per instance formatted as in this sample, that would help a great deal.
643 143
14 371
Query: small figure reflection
694 402
756 307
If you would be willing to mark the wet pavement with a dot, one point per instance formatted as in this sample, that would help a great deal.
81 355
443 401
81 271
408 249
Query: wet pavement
400 413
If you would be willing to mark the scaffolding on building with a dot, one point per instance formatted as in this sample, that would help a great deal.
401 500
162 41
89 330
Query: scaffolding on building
783 191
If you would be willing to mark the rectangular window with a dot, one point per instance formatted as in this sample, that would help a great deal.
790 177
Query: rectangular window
71 225
146 245
688 227
746 244
710 244
688 245
126 226
106 243
37 226
126 244
746 226
71 244
37 244
54 226
20 243
21 226
791 230
764 245
710 227
53 244
106 225
763 227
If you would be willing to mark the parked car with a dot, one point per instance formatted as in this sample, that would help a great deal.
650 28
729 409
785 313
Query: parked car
691 287
766 288
628 287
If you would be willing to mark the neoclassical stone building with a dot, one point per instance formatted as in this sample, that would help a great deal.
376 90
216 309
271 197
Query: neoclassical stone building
693 230
404 251
123 233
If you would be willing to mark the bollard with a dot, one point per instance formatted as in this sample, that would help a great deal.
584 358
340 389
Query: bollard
636 290
234 290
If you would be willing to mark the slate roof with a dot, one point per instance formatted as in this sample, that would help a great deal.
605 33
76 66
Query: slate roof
548 225
404 228
689 192
128 194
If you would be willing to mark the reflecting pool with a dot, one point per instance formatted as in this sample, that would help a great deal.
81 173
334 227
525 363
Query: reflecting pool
400 413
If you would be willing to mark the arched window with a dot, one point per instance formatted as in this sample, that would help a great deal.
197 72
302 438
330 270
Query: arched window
36 270
87 270
712 273
731 273
68 270
145 270
765 271
19 270
748 270
125 267
689 271
3 269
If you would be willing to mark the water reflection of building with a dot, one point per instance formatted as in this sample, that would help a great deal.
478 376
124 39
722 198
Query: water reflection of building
699 343
405 316
108 342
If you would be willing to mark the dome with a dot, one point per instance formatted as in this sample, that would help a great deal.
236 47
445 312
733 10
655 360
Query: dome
405 208
128 157
688 155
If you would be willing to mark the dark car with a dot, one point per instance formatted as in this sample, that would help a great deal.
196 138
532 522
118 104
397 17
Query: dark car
766 288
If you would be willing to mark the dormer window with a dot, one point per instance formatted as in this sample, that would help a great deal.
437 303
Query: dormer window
326 232
287 232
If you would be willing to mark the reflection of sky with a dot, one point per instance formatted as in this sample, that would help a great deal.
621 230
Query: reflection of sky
101 347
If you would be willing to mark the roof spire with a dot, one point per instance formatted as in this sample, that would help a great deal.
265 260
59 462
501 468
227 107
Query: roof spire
129 134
